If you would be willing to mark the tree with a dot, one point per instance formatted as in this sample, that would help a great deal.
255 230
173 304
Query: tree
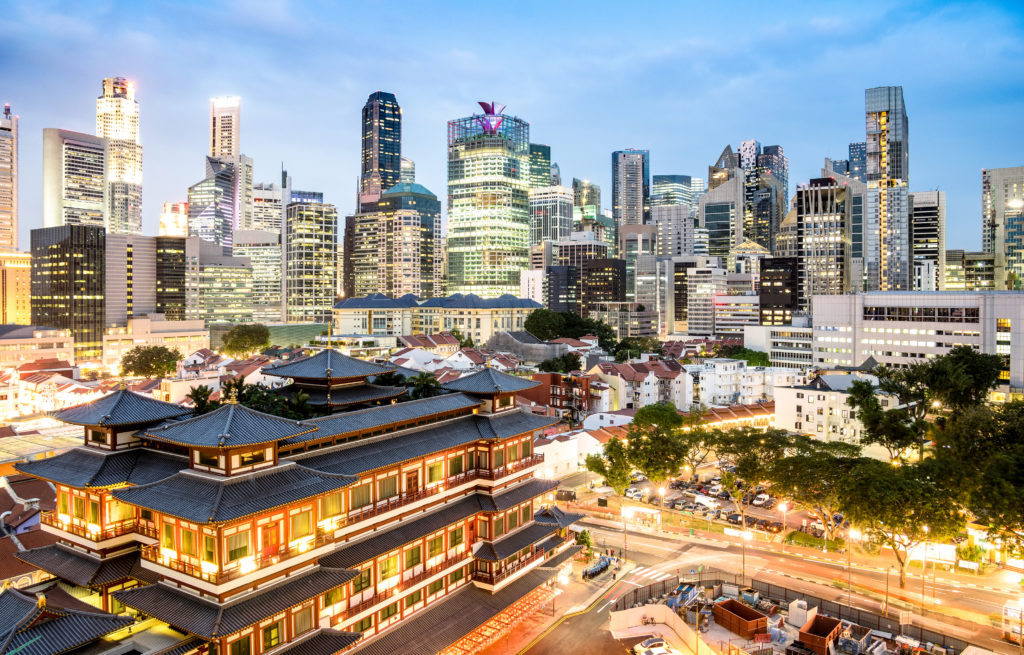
545 324
697 443
909 386
963 377
424 385
150 361
613 465
200 397
655 446
464 342
245 339
751 357
584 539
631 346
754 454
390 379
895 429
901 507
564 364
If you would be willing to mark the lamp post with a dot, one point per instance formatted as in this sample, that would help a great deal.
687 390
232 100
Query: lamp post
852 535
784 508
924 567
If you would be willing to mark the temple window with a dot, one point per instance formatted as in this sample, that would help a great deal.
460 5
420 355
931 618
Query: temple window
209 549
302 524
435 546
387 487
209 459
412 557
188 542
362 581
455 465
238 546
240 646
330 505
435 472
168 538
361 496
272 635
389 567
303 621
455 538
252 457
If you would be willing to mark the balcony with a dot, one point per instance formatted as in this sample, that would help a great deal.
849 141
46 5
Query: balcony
384 506
495 578
108 531
509 469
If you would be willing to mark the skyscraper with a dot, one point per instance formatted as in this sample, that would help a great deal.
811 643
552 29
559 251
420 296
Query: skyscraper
671 190
174 220
675 229
928 239
381 145
75 187
631 187
858 161
15 288
263 250
636 242
218 285
225 126
8 180
488 202
823 239
863 241
408 170
130 271
540 165
550 214
117 120
211 204
269 202
721 212
888 172
1002 223
585 192
773 162
171 279
310 266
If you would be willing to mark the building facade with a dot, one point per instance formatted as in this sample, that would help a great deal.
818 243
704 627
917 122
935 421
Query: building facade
970 271
15 288
540 165
823 237
117 121
381 165
1002 215
631 187
152 330
211 204
23 344
779 290
264 252
585 192
928 239
8 179
720 213
675 228
225 126
130 273
888 173
550 213
75 173
788 346
218 287
310 262
172 280
174 220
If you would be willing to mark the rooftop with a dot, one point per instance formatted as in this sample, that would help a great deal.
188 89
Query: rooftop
122 407
456 301
85 467
228 426
50 622
490 381
316 367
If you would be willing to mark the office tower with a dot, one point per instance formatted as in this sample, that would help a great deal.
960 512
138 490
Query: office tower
724 169
488 202
581 247
675 229
780 290
130 273
263 250
75 188
864 249
556 174
218 286
531 285
8 180
540 165
602 281
211 204
745 260
674 288
408 171
703 284
174 220
839 166
928 238
765 176
888 172
381 145
268 204
773 162
721 212
397 249
550 214
171 280
858 161
313 197
310 254
117 120
585 192
1002 220
589 219
970 271
631 187
669 190
225 126
15 288
636 241
823 239
562 289
68 283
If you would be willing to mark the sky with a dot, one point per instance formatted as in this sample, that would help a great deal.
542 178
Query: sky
682 79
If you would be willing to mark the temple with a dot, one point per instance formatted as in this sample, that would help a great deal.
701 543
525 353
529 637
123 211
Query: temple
333 381
413 527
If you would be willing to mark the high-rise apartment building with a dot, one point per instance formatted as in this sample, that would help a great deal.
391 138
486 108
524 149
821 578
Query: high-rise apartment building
15 288
68 284
674 288
631 187
823 239
928 239
310 261
8 180
225 126
888 173
174 220
540 165
381 146
857 168
130 273
212 202
704 283
263 250
488 202
550 213
117 120
75 188
1002 223
585 192
171 277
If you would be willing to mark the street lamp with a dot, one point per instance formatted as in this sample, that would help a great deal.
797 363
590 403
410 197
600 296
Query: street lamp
852 535
924 566
784 508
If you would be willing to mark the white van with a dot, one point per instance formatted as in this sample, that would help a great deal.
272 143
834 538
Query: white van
706 501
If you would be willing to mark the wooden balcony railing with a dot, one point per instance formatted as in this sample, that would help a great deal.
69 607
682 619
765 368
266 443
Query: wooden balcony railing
107 531
495 578
513 467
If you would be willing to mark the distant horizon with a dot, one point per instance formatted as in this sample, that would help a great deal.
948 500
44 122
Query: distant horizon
779 75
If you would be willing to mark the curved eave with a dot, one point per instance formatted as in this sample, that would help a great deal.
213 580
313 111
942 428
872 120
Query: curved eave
152 437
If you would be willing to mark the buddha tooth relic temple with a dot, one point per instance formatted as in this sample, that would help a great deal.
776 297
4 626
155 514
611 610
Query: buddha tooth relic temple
413 527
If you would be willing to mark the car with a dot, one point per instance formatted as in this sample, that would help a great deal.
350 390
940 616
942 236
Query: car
724 495
775 526
747 498
715 490
634 493
677 484
751 521
701 510
818 525
760 500
770 503
654 499
762 524
730 468
637 476
713 514
735 519
716 480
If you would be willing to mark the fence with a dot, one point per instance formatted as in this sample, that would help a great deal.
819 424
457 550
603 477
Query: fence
641 595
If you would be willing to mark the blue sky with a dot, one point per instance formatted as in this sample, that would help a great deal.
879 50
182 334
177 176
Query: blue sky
681 79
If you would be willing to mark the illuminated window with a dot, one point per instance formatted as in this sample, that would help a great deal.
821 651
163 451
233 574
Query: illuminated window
435 472
455 465
499 458
435 587
209 549
331 505
238 546
362 581
252 457
455 576
435 546
361 496
499 527
272 635
455 538
241 646
413 598
333 597
168 541
209 459
412 557
63 497
363 625
389 611
389 567
188 542
303 621
302 524
387 487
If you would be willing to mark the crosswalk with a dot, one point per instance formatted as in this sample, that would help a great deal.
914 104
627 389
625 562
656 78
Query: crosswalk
648 575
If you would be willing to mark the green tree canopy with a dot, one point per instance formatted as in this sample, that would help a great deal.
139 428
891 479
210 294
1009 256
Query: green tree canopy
246 339
893 429
636 346
563 364
613 465
150 361
390 379
545 324
424 385
200 397
751 357
697 443
655 445
963 377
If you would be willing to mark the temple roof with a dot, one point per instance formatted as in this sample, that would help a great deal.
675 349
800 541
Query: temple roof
316 367
209 620
324 641
83 569
205 499
55 624
490 381
509 545
354 395
85 467
554 516
520 493
228 426
121 407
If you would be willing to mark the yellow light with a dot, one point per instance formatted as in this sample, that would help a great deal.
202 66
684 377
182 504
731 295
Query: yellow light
92 527
854 534
248 565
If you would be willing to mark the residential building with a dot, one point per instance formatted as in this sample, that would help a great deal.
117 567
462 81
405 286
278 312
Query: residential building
730 382
8 179
218 286
24 344
174 219
823 239
15 288
226 126
68 284
540 165
703 284
117 121
636 384
788 346
152 330
550 213
75 172
172 279
734 312
212 202
631 187
904 328
308 242
264 252
602 281
779 290
129 264
636 241
627 319
569 395
928 238
888 173
474 317
675 228
381 165
970 271
1002 223
586 193
488 202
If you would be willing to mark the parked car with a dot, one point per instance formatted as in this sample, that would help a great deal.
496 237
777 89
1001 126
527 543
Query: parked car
634 493
730 468
654 499
775 526
770 503
735 519
716 480
678 484
715 489
713 514
637 476
817 525
760 500
724 495
762 524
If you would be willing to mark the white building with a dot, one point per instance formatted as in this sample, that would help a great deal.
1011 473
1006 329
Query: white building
225 126
75 187
789 346
722 381
703 284
675 229
152 330
8 180
734 312
531 285
117 121
550 214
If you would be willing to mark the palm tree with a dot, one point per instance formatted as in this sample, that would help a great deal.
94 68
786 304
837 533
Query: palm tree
424 385
200 397
299 405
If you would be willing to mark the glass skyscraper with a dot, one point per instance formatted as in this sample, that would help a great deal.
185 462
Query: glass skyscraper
631 187
382 146
211 204
671 190
858 161
540 165
117 120
310 268
888 173
488 202
585 192
550 214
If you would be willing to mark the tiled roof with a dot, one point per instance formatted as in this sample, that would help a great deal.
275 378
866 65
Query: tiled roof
442 624
28 627
315 367
522 336
228 426
554 516
323 642
374 417
209 620
45 364
80 568
490 381
509 545
518 494
122 407
456 301
184 646
561 557
203 499
574 343
363 393
11 566
85 467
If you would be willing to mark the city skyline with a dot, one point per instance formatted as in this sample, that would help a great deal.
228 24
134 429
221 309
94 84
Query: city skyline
943 87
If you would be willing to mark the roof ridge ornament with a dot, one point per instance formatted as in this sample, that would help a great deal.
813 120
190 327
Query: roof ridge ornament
232 398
